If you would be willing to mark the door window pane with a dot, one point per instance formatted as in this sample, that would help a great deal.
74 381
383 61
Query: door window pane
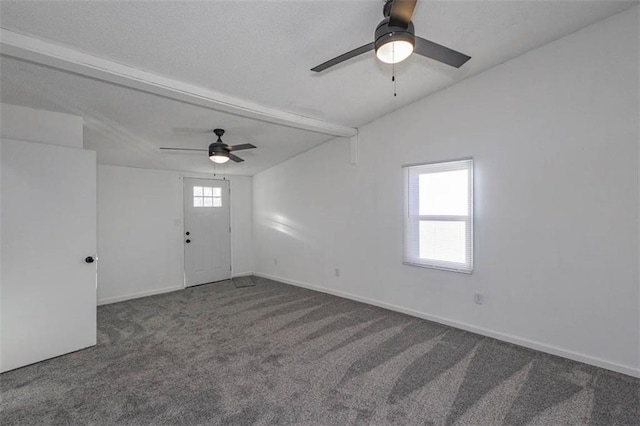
207 196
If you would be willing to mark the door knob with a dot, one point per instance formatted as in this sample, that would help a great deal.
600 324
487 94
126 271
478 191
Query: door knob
89 259
188 241
188 232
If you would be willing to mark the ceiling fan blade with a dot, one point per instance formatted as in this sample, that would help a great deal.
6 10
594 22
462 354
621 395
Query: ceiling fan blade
239 147
353 53
439 53
182 149
235 158
401 13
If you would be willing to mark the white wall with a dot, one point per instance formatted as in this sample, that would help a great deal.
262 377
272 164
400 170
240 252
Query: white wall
140 241
34 125
554 135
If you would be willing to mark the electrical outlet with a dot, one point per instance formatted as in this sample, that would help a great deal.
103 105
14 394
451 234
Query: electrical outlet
337 271
275 261
478 298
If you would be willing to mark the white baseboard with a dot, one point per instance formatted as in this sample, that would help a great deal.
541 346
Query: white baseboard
542 347
130 296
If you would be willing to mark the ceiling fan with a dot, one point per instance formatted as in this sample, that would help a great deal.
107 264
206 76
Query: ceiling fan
395 40
219 152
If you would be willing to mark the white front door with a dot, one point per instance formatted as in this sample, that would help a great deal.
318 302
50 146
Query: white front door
207 227
48 231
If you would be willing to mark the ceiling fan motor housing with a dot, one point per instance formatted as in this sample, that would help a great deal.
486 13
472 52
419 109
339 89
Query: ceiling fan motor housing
216 147
386 33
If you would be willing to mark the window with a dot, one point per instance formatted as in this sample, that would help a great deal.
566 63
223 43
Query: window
439 215
206 196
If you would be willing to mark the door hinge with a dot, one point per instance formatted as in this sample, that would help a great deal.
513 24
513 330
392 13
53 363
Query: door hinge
229 229
230 267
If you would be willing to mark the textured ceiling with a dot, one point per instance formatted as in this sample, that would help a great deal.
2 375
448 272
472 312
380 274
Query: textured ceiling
126 127
261 51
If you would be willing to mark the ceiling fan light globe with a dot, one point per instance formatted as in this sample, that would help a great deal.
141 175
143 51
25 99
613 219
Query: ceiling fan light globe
394 51
219 158
393 44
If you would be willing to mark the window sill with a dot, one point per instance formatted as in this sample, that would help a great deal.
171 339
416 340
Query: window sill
442 268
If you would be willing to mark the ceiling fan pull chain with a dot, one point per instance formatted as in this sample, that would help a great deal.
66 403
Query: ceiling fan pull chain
393 62
393 79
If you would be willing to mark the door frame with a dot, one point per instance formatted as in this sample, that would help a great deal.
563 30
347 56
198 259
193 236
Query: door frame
182 219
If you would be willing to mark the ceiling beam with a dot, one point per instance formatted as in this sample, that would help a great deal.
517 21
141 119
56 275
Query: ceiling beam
45 53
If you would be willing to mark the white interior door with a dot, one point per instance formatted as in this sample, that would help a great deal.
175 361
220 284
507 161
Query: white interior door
207 226
48 229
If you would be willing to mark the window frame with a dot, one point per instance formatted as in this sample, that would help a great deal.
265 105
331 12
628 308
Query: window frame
412 217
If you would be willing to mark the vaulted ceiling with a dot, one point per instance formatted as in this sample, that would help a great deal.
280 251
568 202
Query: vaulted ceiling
259 52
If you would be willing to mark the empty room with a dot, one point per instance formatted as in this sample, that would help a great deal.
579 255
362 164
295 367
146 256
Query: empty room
363 212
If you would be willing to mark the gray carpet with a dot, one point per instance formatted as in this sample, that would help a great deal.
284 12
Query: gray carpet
276 354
